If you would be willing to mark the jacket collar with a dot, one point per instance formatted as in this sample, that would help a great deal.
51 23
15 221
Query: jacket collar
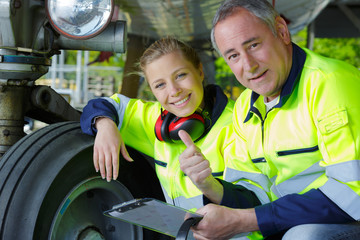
215 103
298 60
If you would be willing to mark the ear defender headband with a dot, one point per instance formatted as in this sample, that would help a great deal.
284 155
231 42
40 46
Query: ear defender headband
168 125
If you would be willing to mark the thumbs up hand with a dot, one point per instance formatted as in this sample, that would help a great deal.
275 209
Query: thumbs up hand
194 164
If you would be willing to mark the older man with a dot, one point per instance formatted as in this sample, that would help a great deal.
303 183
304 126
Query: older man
298 135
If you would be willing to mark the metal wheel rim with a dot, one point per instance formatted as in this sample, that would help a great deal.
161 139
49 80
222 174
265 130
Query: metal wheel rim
74 220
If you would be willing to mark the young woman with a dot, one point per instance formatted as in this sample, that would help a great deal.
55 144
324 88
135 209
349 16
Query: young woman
175 75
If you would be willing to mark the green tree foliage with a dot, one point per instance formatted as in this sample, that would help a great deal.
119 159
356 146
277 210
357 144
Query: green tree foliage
226 79
345 49
116 60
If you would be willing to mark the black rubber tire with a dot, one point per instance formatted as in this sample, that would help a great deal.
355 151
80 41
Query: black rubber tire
49 189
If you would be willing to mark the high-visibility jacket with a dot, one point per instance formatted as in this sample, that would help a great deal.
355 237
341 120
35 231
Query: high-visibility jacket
136 121
301 158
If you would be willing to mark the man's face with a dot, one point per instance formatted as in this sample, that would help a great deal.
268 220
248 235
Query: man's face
259 60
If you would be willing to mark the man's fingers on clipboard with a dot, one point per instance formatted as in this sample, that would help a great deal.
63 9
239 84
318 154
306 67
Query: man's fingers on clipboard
191 218
185 227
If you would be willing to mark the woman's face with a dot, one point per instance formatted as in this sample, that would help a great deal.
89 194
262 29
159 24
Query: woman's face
176 83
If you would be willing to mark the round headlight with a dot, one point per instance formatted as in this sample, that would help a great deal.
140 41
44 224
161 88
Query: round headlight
79 19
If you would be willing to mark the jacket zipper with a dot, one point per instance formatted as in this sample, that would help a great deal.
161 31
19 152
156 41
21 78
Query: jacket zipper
297 151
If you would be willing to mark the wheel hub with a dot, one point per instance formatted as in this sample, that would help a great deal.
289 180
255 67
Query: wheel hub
90 233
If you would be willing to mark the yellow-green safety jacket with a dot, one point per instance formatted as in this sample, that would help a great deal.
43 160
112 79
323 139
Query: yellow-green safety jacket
309 142
136 121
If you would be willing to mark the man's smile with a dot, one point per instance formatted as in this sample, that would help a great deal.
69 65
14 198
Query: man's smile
259 76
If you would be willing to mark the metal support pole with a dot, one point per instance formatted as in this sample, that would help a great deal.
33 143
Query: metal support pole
78 96
11 115
61 70
85 77
54 71
310 35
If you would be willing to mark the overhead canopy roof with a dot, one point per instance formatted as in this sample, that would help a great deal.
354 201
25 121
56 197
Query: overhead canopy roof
339 19
191 20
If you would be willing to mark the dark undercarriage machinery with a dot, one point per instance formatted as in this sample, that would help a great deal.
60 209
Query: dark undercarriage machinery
48 186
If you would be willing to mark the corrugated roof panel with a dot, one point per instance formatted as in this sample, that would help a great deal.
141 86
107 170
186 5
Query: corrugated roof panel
191 19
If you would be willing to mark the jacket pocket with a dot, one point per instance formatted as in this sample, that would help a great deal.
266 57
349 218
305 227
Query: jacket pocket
333 121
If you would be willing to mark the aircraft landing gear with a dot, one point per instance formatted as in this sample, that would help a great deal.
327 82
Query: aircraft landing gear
50 190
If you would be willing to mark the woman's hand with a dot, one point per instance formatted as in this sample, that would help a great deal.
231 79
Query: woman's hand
197 168
108 144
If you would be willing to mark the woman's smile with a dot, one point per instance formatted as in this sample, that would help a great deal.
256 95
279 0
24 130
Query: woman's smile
182 102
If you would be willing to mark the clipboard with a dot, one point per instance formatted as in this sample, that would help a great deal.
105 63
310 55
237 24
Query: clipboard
152 214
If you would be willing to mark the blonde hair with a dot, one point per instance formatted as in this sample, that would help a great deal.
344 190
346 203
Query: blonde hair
165 46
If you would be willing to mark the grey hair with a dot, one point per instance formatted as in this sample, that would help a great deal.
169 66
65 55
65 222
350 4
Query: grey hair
260 8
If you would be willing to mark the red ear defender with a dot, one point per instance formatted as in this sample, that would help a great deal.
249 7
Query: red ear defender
161 126
168 125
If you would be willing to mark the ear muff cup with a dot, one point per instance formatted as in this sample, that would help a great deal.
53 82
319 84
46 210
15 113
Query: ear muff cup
162 126
194 125
168 126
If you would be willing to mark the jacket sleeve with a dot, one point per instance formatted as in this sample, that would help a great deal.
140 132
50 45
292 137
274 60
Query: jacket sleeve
335 110
236 196
295 209
96 108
